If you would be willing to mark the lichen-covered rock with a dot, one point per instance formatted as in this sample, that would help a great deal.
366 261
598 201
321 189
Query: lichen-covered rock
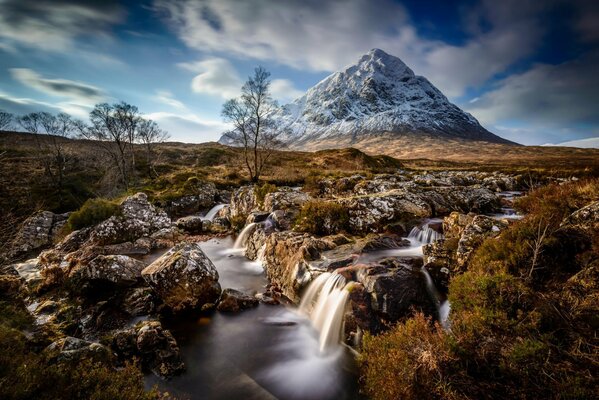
117 269
440 260
153 345
386 293
138 218
286 260
220 225
140 301
455 223
372 212
193 224
243 202
285 198
34 234
202 195
481 228
71 348
232 300
184 277
585 218
29 270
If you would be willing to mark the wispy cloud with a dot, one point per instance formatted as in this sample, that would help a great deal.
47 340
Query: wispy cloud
167 98
79 91
217 77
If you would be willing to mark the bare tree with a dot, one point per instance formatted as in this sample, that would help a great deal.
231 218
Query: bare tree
6 120
52 132
253 128
149 134
113 127
537 245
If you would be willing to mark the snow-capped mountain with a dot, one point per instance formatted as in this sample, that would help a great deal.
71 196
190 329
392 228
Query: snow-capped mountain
379 94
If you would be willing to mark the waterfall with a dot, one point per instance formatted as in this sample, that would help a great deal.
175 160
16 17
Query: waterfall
243 235
443 307
324 302
424 234
212 213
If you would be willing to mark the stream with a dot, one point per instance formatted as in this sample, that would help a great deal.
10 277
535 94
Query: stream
269 352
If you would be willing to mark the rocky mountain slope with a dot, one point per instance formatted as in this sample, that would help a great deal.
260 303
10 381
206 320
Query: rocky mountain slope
379 94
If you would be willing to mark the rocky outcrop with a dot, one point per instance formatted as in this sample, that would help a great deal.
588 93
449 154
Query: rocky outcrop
138 219
117 269
184 278
153 345
285 198
232 300
386 292
286 260
71 348
193 224
474 234
586 218
37 232
373 212
243 202
203 197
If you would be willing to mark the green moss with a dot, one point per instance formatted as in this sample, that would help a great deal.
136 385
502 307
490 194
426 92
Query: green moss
92 212
262 191
322 218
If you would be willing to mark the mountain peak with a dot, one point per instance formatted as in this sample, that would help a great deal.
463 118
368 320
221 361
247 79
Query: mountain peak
378 61
378 94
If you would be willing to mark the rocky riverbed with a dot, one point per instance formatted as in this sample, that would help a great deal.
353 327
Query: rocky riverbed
206 316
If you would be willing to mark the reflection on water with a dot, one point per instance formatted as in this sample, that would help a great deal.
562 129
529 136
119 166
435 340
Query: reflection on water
269 352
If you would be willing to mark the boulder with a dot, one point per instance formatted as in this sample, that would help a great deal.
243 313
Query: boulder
153 345
220 225
117 269
372 213
202 195
71 349
193 224
243 202
440 260
184 277
586 218
286 260
138 219
481 228
232 300
140 301
285 198
35 233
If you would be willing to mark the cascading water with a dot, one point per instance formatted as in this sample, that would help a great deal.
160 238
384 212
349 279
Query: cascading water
243 235
212 213
442 305
325 302
424 234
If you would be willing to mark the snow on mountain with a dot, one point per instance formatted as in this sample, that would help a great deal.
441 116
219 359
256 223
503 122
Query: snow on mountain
378 94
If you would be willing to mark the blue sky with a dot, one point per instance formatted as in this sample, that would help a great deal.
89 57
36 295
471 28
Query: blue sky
525 69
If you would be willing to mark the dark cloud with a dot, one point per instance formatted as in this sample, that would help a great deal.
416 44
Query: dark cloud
54 24
58 87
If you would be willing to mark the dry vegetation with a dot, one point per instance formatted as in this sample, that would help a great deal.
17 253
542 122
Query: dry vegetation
516 332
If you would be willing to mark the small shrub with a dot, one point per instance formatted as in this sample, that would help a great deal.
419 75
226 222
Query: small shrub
92 212
322 218
407 362
262 191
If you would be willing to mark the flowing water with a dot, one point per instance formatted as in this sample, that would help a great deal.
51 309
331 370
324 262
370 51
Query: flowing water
212 212
325 303
269 352
424 234
243 235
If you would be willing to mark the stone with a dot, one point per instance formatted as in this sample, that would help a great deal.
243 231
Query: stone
71 348
285 198
35 233
155 346
232 300
29 270
117 269
138 219
201 195
191 224
183 278
481 228
140 301
243 202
